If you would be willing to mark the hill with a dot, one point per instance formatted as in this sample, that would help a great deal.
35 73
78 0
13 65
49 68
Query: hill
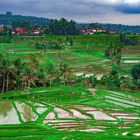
8 19
123 28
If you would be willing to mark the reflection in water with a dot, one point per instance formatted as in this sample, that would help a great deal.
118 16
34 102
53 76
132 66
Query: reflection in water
26 112
5 107
8 114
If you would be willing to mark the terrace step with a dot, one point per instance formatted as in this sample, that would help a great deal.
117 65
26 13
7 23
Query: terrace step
118 103
68 126
121 97
85 108
131 103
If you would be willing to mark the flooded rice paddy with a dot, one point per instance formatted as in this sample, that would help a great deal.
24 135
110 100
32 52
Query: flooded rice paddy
75 117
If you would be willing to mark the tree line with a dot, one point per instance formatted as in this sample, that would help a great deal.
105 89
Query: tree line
19 74
28 72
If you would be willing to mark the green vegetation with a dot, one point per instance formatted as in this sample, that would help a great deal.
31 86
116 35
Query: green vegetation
65 99
62 27
136 74
9 19
70 87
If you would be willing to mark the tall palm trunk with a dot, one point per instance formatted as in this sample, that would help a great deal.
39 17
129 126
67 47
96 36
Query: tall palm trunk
25 84
3 85
65 79
50 81
7 82
29 80
29 83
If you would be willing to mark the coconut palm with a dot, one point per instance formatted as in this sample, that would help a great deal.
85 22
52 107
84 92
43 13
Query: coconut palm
6 69
30 69
65 72
52 72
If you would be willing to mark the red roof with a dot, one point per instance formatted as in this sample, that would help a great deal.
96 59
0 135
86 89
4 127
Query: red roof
20 30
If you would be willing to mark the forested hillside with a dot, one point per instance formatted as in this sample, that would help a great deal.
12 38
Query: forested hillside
9 19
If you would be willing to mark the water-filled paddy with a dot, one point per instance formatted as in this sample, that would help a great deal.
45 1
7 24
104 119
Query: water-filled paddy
84 114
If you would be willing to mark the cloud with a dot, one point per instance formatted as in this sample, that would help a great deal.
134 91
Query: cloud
129 10
114 11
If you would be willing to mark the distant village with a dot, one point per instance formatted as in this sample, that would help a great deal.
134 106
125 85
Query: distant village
36 31
91 31
40 30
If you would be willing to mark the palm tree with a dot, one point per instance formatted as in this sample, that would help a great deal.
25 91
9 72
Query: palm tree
1 72
65 72
30 70
51 72
41 76
6 68
19 69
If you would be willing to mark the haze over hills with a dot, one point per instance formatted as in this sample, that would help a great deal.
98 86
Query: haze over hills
8 19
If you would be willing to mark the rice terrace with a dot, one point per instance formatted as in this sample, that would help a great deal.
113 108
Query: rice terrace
62 80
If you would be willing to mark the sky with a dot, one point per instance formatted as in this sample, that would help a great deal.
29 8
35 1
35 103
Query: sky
102 11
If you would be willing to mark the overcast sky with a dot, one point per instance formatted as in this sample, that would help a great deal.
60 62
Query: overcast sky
103 11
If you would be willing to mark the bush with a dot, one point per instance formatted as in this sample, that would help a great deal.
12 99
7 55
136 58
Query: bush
135 72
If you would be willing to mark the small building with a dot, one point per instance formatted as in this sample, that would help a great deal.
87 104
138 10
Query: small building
86 31
100 30
1 28
37 31
90 31
18 31
112 32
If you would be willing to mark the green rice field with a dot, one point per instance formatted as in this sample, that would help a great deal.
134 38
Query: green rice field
66 113
71 112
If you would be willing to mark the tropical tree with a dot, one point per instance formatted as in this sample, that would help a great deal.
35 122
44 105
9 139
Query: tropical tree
115 53
6 69
30 70
2 81
63 27
52 72
19 65
135 72
65 72
112 80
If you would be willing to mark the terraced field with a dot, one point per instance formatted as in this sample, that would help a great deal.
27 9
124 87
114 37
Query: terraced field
83 62
88 62
71 112
18 49
65 113
131 56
